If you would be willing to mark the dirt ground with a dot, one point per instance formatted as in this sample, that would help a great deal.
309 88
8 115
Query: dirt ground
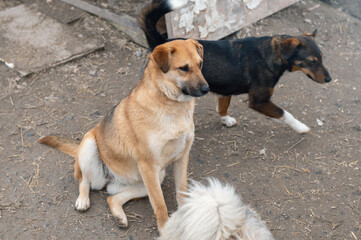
303 186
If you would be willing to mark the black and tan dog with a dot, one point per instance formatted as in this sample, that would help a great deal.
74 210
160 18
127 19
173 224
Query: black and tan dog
250 65
153 127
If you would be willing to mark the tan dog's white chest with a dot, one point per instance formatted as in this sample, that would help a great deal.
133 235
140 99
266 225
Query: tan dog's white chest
168 145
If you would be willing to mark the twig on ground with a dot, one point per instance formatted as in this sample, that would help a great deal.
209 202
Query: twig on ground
294 145
27 184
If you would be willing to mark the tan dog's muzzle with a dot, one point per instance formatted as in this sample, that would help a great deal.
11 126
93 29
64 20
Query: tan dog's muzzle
196 87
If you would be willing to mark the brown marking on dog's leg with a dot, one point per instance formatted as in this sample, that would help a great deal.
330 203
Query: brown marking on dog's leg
77 171
223 104
222 109
269 109
260 101
150 175
271 91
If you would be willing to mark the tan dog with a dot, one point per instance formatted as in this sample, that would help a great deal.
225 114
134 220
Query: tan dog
153 127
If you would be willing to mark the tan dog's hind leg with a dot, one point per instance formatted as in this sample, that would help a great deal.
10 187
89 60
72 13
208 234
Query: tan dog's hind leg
127 193
124 193
222 109
92 175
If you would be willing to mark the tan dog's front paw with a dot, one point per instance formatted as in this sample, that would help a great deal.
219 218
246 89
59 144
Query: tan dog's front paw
82 204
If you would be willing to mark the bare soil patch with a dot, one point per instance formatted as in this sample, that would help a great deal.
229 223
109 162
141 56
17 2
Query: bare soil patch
303 186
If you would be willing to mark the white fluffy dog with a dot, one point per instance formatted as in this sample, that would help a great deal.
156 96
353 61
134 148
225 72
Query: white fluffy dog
214 212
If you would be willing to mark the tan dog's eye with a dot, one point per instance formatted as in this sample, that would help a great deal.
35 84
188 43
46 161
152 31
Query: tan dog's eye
185 68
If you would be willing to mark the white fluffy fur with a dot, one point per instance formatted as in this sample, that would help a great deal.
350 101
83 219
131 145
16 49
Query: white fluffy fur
214 212
294 123
175 4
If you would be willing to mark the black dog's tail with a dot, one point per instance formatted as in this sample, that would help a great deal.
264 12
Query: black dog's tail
150 15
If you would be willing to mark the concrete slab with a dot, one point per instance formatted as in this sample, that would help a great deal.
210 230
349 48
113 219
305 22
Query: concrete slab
215 19
31 41
122 21
59 10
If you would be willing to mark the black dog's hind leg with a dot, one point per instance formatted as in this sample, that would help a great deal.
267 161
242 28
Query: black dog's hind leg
260 101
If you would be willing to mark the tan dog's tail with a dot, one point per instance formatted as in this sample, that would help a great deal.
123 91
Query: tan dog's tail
66 145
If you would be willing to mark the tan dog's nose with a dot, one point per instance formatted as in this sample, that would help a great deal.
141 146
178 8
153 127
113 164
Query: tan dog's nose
204 89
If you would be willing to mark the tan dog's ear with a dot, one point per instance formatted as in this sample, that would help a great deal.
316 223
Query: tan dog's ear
198 46
289 47
162 55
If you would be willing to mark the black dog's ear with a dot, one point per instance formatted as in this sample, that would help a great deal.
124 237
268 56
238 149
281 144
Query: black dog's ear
162 56
312 35
289 47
